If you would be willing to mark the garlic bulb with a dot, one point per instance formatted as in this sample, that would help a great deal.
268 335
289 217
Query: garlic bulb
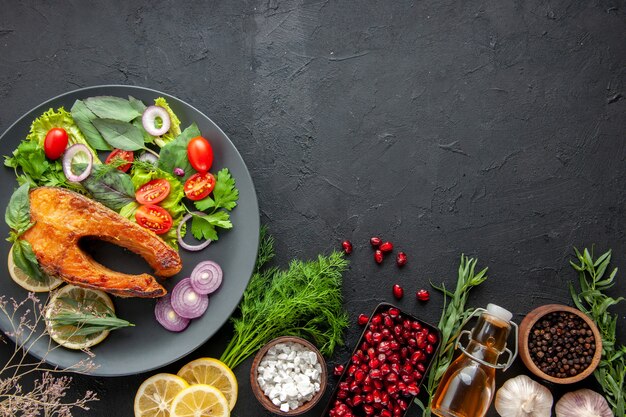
583 403
523 397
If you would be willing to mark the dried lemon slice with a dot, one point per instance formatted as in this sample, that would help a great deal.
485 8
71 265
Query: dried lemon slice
154 397
75 299
212 372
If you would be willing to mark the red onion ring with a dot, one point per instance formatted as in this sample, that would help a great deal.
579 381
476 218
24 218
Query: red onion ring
181 242
186 302
68 157
167 317
148 120
206 277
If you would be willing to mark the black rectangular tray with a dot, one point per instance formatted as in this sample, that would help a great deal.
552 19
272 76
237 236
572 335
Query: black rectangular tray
380 308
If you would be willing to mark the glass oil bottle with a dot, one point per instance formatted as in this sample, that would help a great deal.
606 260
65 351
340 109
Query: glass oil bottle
467 387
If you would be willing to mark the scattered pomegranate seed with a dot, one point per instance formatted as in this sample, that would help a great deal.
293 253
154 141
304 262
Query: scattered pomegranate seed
378 256
398 291
401 259
338 370
362 320
375 241
423 295
347 247
386 247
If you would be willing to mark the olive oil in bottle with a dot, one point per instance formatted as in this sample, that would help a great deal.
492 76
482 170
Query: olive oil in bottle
467 387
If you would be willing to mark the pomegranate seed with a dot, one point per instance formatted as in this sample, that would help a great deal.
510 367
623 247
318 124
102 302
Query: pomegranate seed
392 378
417 375
423 295
417 356
397 330
432 338
377 337
398 291
382 357
401 259
362 320
352 369
357 400
375 374
371 352
369 337
356 359
413 389
378 256
384 398
338 370
369 410
402 404
408 379
359 376
342 395
374 363
415 325
397 411
377 319
394 312
421 341
386 333
354 386
385 369
393 358
385 413
430 349
383 346
420 367
347 247
392 389
388 321
375 241
386 247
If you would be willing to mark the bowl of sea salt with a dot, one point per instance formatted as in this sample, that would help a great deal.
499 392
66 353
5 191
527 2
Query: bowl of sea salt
288 376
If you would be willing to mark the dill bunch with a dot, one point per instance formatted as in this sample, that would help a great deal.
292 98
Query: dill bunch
453 316
592 300
304 300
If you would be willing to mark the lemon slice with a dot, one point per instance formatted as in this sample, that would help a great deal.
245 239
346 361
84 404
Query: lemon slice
154 397
200 400
212 372
31 284
75 299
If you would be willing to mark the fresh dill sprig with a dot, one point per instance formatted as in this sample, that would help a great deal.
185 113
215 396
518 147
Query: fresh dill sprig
453 316
593 301
305 300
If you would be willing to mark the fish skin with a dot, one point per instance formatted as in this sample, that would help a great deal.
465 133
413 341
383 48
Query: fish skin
62 217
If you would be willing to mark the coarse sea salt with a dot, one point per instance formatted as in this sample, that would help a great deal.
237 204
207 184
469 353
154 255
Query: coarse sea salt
289 375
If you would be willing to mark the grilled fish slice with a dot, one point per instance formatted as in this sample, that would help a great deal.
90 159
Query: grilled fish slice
61 218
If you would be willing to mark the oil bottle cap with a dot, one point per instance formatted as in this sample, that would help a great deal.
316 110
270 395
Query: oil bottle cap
499 312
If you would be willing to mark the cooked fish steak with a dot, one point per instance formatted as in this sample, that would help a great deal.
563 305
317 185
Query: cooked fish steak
62 217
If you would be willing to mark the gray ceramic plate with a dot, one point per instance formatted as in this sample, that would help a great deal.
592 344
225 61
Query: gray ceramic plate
147 345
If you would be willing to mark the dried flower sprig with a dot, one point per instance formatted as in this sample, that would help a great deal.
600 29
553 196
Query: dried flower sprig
46 396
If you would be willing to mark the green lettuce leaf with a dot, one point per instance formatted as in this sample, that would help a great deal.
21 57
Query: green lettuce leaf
172 203
174 123
174 154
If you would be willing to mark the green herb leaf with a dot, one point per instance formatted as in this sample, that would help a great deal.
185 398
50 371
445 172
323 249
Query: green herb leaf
591 300
304 300
110 186
121 135
86 323
453 316
24 258
108 107
203 227
137 104
83 118
174 154
17 214
174 130
224 195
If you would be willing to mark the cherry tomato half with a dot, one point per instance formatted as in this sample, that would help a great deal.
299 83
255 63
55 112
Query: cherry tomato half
154 218
120 154
55 143
153 192
199 185
200 154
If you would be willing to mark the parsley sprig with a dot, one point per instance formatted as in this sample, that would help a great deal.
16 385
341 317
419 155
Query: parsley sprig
594 302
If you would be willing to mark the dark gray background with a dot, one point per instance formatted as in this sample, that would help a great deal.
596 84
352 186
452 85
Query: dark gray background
492 128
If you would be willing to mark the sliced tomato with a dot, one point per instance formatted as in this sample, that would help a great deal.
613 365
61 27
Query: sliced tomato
121 154
153 192
200 154
154 218
199 185
55 143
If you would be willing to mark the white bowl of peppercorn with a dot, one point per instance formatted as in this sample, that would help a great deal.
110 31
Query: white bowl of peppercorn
559 344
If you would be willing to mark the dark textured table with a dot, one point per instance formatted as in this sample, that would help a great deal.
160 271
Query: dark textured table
494 129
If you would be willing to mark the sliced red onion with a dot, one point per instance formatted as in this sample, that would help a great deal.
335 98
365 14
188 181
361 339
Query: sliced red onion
68 158
181 242
188 303
167 317
206 277
148 120
149 158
